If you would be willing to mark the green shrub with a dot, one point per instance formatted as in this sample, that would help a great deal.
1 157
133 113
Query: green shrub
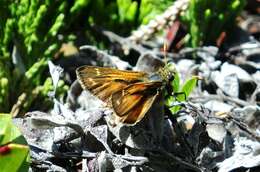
207 19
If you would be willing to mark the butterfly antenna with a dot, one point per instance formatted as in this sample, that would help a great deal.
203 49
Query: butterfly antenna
165 47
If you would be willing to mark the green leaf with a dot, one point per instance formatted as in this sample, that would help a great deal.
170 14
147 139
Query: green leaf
14 152
181 95
175 109
131 11
5 129
14 158
176 82
187 87
78 5
202 15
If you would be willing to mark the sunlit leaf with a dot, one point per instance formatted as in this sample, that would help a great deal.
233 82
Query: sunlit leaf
187 87
14 152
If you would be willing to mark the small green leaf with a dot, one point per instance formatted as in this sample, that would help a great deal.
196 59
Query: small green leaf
188 86
175 109
176 82
131 11
181 95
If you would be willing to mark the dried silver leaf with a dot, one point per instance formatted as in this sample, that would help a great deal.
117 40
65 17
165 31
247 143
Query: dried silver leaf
17 61
246 114
119 163
148 63
104 58
218 106
102 162
216 131
55 72
100 132
246 154
227 83
208 158
230 85
87 119
60 109
88 101
43 138
228 69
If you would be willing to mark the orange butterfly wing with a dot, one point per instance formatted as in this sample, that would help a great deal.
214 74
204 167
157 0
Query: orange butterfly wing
104 82
131 103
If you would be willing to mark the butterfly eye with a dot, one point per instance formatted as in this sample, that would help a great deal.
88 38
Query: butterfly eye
171 78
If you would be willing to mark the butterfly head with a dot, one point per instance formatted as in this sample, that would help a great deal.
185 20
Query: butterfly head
167 72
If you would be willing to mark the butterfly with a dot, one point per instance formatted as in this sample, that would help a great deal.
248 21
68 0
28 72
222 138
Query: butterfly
129 93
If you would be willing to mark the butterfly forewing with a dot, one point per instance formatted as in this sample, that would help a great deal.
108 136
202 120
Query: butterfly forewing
131 103
103 82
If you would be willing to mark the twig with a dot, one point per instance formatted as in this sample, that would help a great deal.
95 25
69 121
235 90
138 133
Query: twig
126 45
244 127
178 160
180 134
137 160
237 121
218 97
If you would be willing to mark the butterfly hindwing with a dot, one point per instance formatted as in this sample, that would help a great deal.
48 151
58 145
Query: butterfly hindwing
131 103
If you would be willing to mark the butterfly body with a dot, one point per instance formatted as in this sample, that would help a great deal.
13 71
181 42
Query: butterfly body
129 93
